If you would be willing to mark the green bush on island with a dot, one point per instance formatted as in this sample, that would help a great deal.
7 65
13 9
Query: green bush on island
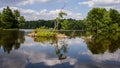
45 32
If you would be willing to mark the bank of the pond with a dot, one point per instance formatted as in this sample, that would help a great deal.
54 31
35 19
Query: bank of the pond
9 29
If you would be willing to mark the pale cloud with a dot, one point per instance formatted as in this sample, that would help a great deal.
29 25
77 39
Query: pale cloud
31 14
101 3
26 2
92 3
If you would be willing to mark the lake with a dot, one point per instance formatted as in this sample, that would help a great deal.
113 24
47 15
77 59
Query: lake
79 50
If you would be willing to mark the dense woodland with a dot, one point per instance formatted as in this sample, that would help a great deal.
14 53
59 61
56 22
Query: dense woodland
98 19
67 24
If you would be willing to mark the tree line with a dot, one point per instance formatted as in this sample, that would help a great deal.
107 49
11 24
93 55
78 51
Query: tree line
11 19
66 24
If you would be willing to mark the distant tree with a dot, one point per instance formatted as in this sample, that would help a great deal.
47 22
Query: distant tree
71 24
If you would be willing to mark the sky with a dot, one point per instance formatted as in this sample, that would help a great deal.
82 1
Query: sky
48 9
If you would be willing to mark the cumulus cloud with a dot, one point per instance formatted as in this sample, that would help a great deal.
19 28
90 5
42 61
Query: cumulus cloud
31 14
25 2
92 3
101 3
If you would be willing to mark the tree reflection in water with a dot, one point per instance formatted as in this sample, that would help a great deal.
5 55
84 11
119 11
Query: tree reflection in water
59 44
11 39
102 42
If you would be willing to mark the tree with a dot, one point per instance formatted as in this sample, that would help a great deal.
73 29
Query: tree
21 21
72 24
0 20
95 18
10 19
61 14
115 19
99 19
16 14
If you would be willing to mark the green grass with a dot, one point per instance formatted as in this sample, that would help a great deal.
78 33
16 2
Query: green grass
46 34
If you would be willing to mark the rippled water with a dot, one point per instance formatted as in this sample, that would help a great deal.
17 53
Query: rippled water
17 50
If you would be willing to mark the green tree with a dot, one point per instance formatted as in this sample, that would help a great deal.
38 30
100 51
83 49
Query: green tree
16 14
115 19
99 19
95 18
21 21
10 19
61 14
7 17
0 21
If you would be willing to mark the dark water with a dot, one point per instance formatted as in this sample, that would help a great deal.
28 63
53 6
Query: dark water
80 50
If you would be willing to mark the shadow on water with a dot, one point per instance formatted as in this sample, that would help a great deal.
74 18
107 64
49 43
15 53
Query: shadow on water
102 42
11 39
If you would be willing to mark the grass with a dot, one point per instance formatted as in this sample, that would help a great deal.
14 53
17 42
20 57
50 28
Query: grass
45 32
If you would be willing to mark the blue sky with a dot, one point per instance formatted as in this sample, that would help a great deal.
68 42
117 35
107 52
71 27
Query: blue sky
48 9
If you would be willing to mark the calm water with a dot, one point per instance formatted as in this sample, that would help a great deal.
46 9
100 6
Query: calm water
80 50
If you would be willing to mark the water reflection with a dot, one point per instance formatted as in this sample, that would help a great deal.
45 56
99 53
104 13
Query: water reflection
70 52
59 44
11 39
101 42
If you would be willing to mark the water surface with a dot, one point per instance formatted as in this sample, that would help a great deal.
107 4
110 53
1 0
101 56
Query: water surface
80 50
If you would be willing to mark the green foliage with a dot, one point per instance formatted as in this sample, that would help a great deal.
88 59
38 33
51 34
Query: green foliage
99 19
10 19
38 23
61 14
45 32
71 24
21 21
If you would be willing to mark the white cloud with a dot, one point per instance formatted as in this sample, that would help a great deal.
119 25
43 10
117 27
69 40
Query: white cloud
30 14
26 2
101 3
92 3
